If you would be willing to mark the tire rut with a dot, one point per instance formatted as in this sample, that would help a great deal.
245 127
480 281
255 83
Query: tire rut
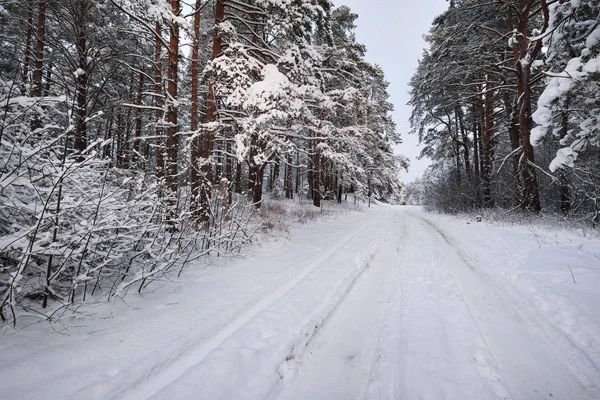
166 373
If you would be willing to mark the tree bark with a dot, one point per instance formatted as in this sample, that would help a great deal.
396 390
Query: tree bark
475 143
202 182
199 204
487 148
289 189
524 53
515 142
275 176
257 187
238 177
137 144
465 141
38 54
456 152
229 164
108 135
563 188
124 149
48 79
159 114
27 56
531 200
211 111
82 79
121 138
172 86
316 176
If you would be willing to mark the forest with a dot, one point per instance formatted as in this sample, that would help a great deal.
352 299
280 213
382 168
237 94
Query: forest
506 102
203 199
137 136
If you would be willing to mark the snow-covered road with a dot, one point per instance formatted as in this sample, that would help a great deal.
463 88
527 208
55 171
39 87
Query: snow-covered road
424 323
390 303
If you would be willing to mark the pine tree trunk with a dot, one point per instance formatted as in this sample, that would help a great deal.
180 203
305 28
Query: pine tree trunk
238 177
289 189
515 142
229 165
172 86
121 139
257 188
38 60
563 182
205 147
137 144
275 176
252 170
81 82
476 157
159 114
48 79
108 135
465 141
456 152
326 176
199 203
524 54
298 175
475 142
316 176
531 200
38 55
27 55
310 177
481 128
251 179
124 150
211 111
487 148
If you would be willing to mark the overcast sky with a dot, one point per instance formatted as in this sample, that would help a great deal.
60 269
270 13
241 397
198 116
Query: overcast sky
392 30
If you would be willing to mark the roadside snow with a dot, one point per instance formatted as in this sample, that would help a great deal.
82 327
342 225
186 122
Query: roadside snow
551 279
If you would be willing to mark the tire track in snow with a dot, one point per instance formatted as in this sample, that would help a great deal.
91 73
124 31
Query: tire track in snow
291 365
339 360
530 353
430 340
584 367
555 338
395 290
163 375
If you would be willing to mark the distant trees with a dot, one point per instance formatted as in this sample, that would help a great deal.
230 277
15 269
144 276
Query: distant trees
475 95
132 133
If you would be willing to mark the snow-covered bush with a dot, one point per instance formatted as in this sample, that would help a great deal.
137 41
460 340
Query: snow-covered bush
72 229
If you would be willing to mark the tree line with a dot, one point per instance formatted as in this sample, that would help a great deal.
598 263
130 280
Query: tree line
506 103
136 135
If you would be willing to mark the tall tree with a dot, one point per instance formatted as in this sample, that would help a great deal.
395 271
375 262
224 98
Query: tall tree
196 174
173 104
38 54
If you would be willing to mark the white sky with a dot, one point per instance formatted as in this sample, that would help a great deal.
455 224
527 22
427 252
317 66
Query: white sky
392 30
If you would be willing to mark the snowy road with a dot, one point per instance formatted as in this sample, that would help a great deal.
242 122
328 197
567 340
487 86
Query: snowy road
391 303
424 324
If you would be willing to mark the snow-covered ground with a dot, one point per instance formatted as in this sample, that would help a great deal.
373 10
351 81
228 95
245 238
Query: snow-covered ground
387 303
